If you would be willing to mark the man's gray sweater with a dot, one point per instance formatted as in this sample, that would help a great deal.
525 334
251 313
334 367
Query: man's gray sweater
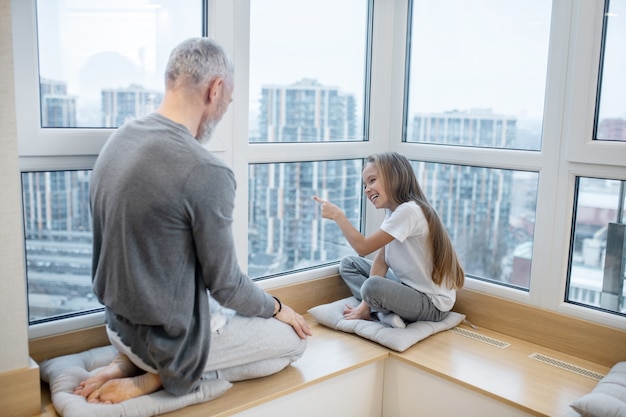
162 210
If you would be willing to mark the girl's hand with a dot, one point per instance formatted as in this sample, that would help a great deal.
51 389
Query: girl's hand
328 209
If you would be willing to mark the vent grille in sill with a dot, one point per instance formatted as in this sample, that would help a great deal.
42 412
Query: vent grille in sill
476 336
567 366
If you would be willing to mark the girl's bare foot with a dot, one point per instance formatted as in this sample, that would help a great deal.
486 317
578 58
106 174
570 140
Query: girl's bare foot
360 312
120 367
121 389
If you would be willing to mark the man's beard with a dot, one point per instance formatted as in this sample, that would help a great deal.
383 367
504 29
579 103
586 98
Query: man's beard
206 131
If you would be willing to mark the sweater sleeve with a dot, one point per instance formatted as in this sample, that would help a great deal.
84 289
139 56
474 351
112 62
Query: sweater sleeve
210 195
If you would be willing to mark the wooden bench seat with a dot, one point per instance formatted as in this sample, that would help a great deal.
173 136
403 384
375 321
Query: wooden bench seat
506 374
446 374
329 354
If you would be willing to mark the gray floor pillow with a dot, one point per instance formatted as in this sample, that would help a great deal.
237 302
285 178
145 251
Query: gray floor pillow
64 373
331 315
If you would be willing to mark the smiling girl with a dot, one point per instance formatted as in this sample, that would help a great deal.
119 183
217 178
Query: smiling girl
415 273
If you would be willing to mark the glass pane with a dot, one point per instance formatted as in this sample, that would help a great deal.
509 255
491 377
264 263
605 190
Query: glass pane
57 227
477 72
611 117
285 229
597 255
491 226
307 70
102 63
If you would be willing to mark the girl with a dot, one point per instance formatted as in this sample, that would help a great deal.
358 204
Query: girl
415 273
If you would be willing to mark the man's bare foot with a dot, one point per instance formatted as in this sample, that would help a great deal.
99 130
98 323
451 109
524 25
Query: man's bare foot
120 367
121 389
360 312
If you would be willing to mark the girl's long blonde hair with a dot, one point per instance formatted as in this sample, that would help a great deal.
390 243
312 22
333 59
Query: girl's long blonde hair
397 176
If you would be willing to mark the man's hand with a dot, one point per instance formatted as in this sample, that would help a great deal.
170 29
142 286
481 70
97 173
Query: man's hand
299 324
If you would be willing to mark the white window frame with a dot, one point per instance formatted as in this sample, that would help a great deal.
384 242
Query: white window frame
36 145
581 155
245 153
567 151
567 146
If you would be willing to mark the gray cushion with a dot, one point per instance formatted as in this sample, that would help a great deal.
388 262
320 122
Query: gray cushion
331 315
64 373
608 398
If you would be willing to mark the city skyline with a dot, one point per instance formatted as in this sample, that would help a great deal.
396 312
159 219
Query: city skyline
506 72
477 77
286 233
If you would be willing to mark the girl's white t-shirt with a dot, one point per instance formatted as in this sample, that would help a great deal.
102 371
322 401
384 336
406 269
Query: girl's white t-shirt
408 255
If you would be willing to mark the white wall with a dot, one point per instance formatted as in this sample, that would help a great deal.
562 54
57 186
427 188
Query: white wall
412 392
13 311
358 393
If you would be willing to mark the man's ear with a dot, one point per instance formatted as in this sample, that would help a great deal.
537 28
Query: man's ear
214 90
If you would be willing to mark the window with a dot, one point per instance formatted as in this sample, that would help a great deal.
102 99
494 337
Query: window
489 215
101 63
478 72
476 79
88 66
511 106
597 249
285 229
611 122
596 257
58 237
307 84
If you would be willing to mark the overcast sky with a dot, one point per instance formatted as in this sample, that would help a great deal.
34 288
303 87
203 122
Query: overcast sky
465 54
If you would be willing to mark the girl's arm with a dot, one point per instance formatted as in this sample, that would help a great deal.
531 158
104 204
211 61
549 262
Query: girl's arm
361 244
379 266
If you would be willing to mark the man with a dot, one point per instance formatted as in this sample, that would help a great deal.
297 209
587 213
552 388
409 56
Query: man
162 211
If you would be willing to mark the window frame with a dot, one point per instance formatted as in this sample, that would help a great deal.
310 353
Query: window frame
584 70
584 156
568 119
43 149
33 140
525 160
568 149
245 153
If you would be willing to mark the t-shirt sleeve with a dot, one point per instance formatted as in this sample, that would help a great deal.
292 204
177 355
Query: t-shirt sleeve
403 222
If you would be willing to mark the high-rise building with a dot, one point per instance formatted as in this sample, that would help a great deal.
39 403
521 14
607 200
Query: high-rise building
475 205
56 201
477 127
58 109
286 231
473 202
58 237
120 105
306 112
